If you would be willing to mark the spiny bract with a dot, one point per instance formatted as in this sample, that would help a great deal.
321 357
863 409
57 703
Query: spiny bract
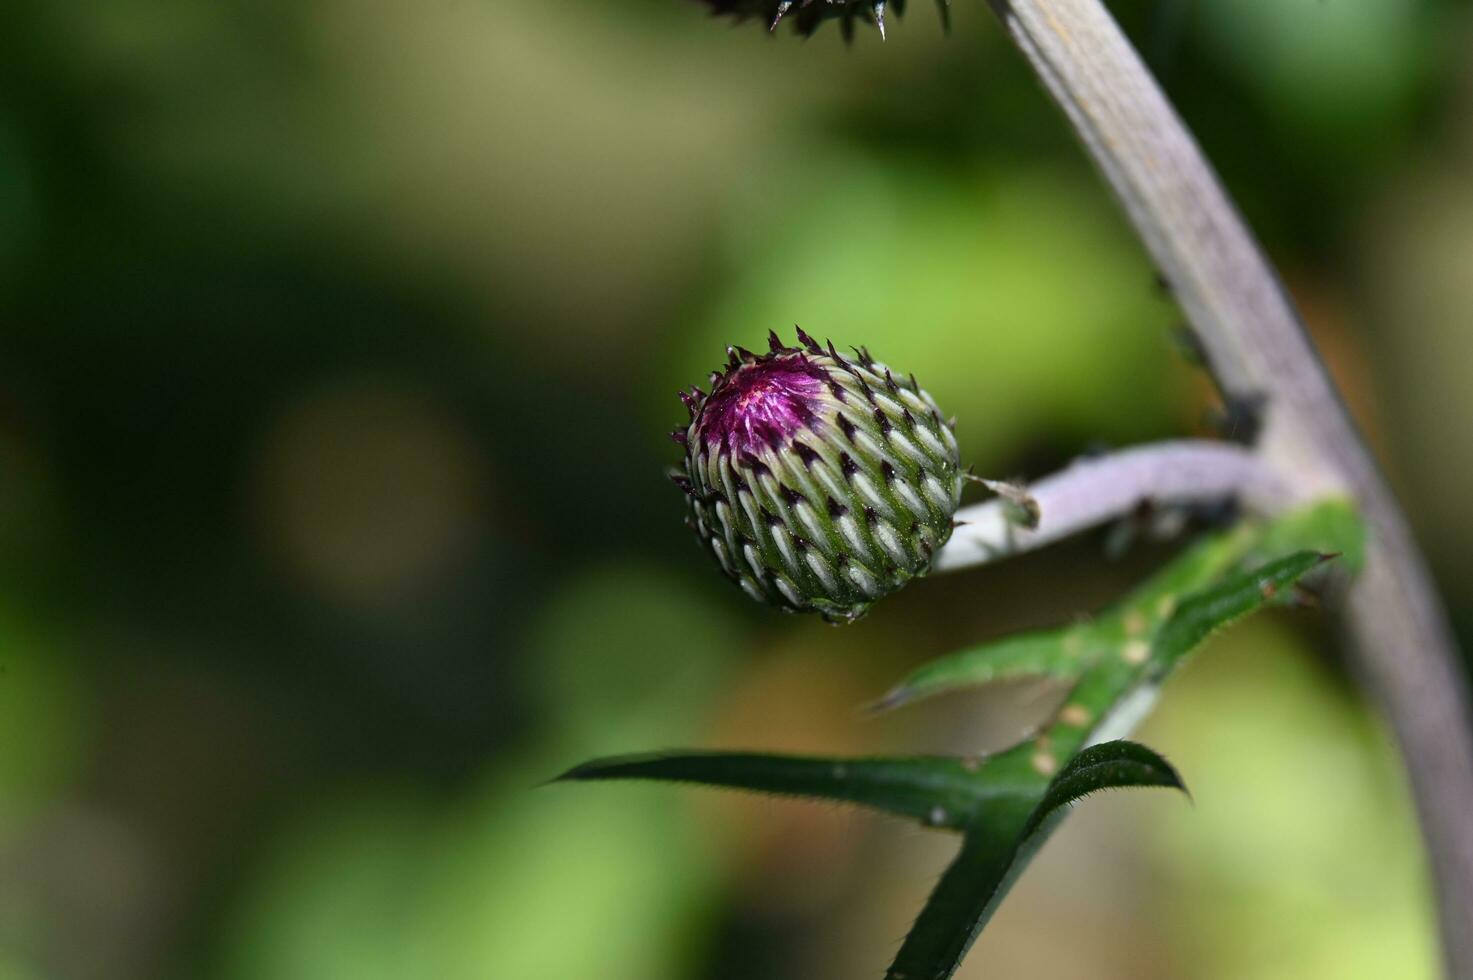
820 482
807 15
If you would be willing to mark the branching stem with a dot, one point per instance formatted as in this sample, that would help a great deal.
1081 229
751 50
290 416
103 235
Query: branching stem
1098 489
1258 351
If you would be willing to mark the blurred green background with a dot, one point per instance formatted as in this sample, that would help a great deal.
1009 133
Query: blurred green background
338 345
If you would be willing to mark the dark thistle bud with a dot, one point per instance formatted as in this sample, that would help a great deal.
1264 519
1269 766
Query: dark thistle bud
820 482
807 15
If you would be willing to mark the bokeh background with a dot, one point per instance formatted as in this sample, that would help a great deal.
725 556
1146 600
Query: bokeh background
338 345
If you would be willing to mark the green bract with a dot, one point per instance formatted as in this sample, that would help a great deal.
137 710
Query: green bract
819 482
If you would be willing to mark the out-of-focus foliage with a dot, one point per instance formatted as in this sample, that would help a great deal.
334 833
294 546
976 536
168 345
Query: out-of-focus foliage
337 347
1029 347
1278 738
43 721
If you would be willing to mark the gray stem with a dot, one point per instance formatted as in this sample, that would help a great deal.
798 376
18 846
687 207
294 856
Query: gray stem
1097 489
1403 650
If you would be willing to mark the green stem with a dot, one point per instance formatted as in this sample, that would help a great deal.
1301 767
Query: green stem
1256 346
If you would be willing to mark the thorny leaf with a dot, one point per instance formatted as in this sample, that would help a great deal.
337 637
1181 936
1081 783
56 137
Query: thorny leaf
976 880
1007 804
1046 653
939 792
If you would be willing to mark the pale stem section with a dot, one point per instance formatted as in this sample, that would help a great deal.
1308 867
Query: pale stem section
1403 649
1095 490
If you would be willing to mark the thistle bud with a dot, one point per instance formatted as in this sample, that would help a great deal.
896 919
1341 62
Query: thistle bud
818 481
807 15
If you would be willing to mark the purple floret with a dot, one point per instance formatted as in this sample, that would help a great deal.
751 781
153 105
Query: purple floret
763 404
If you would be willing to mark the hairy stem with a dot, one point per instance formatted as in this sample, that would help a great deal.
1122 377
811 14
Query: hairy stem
1094 490
1403 649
